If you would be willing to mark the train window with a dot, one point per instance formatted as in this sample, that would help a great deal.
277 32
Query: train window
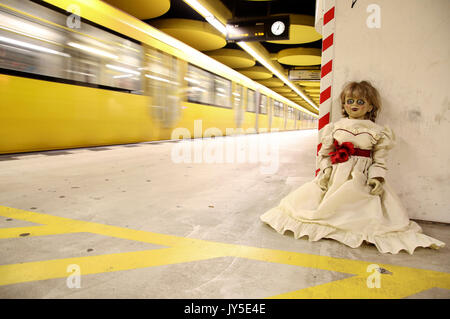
222 91
35 40
237 96
200 85
251 101
277 108
162 83
263 104
290 114
207 88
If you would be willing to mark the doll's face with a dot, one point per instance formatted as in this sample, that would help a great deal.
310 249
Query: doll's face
356 107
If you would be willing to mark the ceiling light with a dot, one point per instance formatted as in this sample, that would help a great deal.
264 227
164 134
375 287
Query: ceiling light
122 76
198 7
80 73
207 15
263 61
122 69
93 50
217 24
32 46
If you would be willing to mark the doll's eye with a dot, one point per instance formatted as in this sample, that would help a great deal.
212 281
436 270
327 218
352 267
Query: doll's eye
360 102
350 101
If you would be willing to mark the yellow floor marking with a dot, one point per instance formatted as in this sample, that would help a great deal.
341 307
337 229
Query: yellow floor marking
31 231
101 229
356 288
403 282
50 269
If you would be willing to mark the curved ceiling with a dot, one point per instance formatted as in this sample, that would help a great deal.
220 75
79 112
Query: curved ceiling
234 58
300 56
256 73
311 89
142 9
308 83
283 89
197 34
271 83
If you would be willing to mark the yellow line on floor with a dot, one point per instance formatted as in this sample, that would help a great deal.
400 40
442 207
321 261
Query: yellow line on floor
31 231
58 268
356 288
101 229
403 281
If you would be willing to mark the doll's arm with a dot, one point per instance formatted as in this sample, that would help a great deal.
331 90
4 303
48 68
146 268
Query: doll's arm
377 185
324 178
323 159
378 169
327 146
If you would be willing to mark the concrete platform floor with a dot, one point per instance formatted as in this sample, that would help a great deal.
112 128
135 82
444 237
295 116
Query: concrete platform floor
136 222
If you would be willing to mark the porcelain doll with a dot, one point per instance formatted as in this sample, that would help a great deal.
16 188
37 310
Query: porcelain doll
349 200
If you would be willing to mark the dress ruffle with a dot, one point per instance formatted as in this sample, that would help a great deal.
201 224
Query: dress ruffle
392 242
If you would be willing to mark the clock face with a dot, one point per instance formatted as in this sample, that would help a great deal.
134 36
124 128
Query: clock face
277 28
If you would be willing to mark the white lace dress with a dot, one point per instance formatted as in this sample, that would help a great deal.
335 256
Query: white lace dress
347 212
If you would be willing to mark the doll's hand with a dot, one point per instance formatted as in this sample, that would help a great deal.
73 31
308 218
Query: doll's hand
377 185
323 180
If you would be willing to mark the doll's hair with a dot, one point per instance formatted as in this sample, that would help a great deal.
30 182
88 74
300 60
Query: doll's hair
364 90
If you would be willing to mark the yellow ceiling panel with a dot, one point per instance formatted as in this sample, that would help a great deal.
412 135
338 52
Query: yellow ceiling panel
235 59
271 83
256 73
308 83
142 9
312 89
300 56
283 89
197 34
289 94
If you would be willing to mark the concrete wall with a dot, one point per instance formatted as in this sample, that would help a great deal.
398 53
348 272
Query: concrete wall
407 59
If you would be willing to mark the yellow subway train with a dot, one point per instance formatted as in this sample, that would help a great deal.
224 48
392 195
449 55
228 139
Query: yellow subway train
82 73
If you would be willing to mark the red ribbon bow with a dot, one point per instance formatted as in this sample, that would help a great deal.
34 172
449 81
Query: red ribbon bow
342 152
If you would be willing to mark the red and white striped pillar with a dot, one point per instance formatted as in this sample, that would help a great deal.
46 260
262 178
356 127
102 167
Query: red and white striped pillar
326 76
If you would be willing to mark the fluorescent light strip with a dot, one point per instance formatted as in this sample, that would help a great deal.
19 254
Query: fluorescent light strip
217 24
32 46
122 76
198 7
80 73
122 69
29 35
190 80
157 78
261 60
208 16
93 50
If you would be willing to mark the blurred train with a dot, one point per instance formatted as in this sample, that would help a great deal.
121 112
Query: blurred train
108 78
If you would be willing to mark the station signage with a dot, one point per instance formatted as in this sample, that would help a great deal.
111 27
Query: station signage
304 74
258 29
